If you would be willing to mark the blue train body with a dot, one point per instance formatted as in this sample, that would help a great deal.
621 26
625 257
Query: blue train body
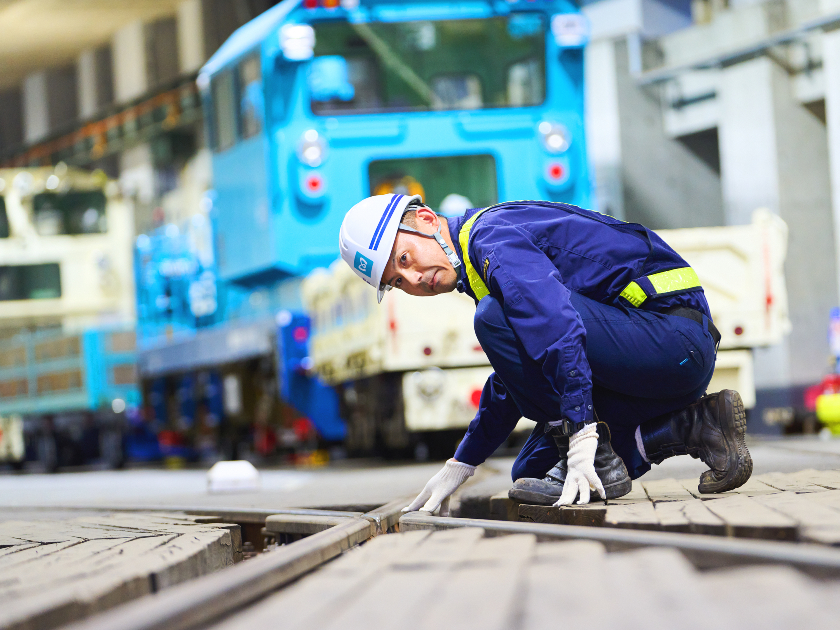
50 372
286 167
74 391
311 397
316 104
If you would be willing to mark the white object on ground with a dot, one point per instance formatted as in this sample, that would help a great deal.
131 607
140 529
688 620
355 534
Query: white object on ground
438 488
233 476
581 475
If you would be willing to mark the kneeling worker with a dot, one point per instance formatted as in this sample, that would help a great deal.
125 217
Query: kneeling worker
597 330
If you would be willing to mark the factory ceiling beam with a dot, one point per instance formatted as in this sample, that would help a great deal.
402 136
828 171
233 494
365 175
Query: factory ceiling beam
38 34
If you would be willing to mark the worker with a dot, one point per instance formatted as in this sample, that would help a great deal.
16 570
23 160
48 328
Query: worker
596 330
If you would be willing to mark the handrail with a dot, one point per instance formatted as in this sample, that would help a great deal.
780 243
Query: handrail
97 126
739 55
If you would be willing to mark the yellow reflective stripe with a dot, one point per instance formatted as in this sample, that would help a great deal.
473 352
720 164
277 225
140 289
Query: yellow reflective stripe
476 283
634 294
675 280
663 282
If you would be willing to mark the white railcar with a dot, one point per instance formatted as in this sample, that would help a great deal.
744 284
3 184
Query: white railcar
741 268
66 242
67 312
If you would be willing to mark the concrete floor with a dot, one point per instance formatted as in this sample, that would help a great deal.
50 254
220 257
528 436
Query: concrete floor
343 484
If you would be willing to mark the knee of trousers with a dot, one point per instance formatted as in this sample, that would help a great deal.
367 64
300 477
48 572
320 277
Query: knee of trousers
489 317
535 464
532 469
522 470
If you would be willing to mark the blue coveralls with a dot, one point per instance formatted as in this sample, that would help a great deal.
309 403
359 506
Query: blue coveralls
562 340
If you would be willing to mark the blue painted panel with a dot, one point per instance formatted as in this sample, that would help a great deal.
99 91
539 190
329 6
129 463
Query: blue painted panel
241 210
307 394
94 363
94 369
74 401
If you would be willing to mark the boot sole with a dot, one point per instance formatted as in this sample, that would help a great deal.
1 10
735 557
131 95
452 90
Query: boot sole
734 422
613 491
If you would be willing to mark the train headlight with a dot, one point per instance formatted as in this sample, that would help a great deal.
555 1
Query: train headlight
312 148
297 41
554 136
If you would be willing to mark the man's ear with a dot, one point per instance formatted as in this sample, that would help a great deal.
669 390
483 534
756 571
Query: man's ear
426 216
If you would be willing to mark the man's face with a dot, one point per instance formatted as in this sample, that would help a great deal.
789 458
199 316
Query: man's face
418 265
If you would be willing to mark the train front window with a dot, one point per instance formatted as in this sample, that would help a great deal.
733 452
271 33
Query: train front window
224 112
4 219
421 66
249 81
455 182
71 213
30 282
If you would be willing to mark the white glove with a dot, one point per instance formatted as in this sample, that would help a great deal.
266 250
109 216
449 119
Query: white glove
581 475
437 490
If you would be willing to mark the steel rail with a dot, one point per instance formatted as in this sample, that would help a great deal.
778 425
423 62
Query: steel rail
384 517
211 597
225 514
705 552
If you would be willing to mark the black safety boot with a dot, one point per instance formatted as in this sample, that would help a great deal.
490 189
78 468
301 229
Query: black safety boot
712 430
610 469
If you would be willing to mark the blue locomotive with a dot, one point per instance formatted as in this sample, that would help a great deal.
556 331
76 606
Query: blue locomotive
316 104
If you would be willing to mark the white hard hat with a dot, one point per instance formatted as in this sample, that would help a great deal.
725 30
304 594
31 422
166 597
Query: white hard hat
368 233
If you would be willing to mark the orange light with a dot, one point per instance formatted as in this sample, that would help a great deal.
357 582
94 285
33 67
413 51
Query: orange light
330 4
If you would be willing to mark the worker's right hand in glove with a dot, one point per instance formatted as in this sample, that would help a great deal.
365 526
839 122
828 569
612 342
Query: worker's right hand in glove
581 475
440 487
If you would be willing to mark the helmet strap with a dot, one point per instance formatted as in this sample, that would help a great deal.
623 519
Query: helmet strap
450 255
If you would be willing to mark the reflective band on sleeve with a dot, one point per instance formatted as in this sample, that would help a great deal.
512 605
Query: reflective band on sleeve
671 281
674 280
476 283
634 294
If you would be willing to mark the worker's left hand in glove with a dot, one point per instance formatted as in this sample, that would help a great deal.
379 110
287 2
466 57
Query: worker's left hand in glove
581 475
440 487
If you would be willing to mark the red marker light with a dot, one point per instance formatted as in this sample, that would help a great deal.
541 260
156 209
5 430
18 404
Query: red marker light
427 351
300 334
314 183
556 171
310 4
739 330
475 398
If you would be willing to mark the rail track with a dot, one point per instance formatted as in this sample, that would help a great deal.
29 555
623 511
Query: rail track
336 566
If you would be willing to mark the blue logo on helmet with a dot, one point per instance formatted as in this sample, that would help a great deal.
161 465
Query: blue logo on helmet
363 264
